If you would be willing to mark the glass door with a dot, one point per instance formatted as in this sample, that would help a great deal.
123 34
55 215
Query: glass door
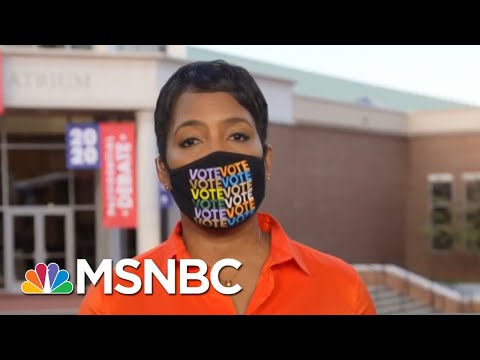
37 236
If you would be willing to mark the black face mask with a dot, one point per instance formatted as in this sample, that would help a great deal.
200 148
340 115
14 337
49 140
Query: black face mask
220 190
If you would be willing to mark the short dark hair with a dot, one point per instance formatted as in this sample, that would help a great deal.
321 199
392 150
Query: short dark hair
210 76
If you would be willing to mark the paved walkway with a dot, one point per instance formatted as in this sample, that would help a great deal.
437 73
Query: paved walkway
13 304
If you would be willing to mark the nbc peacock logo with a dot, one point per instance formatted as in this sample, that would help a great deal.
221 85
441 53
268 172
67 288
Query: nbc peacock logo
47 280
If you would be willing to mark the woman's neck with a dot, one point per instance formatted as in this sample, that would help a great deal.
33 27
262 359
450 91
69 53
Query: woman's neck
213 245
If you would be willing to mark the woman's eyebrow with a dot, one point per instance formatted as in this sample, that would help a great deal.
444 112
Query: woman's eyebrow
191 122
235 120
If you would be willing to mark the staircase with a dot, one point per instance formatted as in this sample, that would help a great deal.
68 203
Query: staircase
397 291
390 302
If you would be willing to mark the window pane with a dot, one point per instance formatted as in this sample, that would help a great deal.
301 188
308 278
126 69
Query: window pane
473 191
441 216
473 218
131 237
82 46
55 233
24 233
84 184
37 177
441 192
442 239
126 47
142 48
57 46
36 139
24 244
55 239
85 236
472 238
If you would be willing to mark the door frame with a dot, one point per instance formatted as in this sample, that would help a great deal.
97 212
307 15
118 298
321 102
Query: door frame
38 213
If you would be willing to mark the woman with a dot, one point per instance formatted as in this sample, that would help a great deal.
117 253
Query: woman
211 125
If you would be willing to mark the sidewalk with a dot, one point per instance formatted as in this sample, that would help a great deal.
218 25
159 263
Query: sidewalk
20 304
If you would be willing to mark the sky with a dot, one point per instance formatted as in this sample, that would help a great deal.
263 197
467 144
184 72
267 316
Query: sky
450 72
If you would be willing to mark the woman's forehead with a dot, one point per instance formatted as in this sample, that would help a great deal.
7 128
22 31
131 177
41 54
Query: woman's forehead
208 107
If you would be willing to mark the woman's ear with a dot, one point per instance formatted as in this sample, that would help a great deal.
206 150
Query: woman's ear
162 173
268 161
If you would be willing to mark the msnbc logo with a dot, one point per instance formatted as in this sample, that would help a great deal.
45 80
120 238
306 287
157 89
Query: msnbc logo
47 280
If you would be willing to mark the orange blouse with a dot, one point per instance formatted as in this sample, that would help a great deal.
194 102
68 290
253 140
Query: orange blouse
296 279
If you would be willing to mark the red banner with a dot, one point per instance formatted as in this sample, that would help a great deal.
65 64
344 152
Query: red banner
118 174
2 109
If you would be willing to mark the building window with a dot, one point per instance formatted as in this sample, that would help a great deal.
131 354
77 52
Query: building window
441 211
142 48
471 182
86 47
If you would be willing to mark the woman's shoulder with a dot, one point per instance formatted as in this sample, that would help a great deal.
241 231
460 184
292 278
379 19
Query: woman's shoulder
317 261
322 263
160 252
154 253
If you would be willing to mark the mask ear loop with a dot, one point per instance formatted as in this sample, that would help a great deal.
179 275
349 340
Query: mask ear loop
264 146
157 162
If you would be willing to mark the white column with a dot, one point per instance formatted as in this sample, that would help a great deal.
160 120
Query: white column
148 206
116 240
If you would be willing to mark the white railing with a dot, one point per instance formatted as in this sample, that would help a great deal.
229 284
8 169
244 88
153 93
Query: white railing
411 278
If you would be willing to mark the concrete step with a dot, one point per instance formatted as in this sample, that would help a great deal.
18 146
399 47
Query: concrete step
408 308
390 302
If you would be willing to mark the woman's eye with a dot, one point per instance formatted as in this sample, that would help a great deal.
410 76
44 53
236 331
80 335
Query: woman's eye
189 142
239 137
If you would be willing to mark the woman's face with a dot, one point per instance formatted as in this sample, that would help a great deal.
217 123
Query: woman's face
202 123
